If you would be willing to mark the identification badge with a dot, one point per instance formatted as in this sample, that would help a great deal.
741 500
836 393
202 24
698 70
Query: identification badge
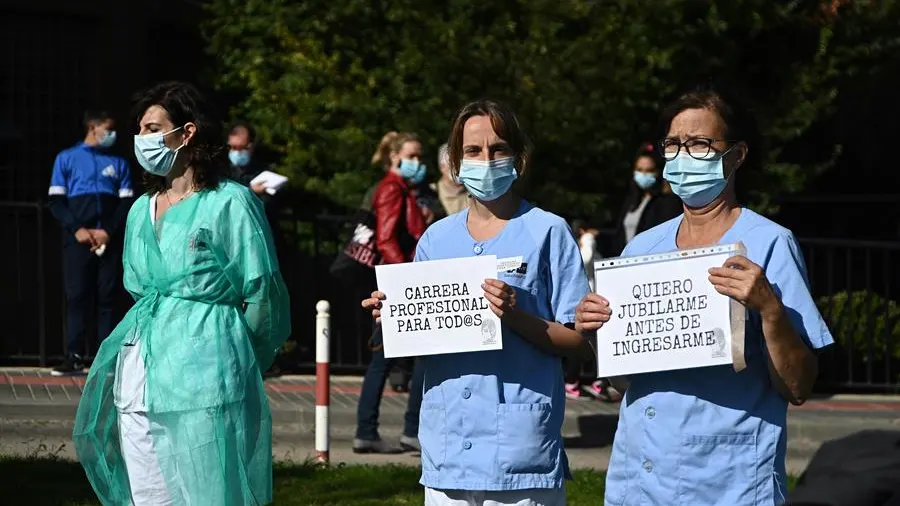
509 264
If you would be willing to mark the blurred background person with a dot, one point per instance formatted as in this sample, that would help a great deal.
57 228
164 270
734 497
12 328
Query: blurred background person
247 162
575 390
587 245
649 202
90 194
452 194
399 223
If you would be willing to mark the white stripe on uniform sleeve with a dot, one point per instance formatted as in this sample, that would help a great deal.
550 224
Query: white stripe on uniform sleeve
56 190
126 193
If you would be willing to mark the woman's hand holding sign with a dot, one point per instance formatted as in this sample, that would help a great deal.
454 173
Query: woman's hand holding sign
373 304
745 282
501 297
591 313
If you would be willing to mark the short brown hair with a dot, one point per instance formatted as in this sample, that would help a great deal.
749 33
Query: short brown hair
505 124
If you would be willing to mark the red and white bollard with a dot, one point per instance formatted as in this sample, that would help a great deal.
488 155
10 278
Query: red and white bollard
323 380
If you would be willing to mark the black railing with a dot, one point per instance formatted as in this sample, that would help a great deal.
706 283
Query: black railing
853 283
25 279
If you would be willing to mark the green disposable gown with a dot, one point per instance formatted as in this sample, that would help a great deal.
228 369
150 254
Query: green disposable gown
211 312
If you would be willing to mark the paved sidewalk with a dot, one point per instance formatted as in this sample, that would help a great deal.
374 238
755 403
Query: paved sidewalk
36 410
36 388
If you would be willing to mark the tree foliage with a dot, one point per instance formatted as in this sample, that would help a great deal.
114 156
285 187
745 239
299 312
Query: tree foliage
323 80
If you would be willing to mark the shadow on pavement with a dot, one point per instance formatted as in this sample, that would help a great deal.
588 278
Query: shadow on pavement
596 431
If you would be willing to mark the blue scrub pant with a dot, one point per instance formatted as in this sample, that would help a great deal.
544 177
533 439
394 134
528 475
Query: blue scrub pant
368 409
87 277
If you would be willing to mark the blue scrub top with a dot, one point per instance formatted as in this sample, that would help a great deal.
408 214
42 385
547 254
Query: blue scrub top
492 420
710 435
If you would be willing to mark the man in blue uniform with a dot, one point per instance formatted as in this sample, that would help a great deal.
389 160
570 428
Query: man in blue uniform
90 193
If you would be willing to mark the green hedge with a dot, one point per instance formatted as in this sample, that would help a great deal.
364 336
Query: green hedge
859 317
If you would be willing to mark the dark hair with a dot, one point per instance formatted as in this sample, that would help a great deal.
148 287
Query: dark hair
647 149
251 132
505 124
94 116
635 194
740 125
205 153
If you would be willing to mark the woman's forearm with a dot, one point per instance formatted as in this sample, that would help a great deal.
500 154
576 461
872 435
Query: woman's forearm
792 365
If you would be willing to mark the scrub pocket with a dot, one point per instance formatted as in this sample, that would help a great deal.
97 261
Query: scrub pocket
718 469
433 436
526 443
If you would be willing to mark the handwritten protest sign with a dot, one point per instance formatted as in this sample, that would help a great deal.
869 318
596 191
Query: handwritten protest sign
666 314
438 307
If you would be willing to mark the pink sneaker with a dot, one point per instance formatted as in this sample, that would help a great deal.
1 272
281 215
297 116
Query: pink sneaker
574 392
604 391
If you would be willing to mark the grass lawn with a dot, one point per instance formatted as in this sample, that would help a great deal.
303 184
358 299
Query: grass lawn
48 481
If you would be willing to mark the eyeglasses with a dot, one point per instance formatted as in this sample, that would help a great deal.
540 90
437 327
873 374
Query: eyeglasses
698 148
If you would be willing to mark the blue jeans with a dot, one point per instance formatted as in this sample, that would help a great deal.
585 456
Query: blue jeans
368 409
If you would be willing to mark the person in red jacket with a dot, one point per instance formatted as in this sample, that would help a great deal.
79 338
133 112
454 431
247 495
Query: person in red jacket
398 218
399 223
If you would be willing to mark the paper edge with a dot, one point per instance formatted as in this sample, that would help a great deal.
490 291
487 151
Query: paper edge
738 325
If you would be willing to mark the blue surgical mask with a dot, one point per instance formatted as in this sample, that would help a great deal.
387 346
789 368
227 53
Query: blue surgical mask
644 180
696 182
108 139
239 158
412 170
488 180
153 154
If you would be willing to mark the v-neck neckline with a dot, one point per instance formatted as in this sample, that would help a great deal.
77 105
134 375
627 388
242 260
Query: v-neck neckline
465 224
156 223
725 239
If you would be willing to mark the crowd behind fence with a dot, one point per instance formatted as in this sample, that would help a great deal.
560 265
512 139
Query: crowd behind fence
853 282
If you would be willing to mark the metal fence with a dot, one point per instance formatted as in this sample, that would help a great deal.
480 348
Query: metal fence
853 283
24 309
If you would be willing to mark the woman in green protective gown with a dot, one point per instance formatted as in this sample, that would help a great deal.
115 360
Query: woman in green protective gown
174 411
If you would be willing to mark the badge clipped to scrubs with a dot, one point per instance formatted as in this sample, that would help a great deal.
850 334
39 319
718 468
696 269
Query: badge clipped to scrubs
666 315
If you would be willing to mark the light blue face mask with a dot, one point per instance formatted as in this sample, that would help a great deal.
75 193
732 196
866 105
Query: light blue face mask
412 170
108 139
644 180
153 154
696 182
488 180
239 158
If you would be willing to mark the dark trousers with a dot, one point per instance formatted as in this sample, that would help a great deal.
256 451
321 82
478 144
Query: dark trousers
86 278
369 407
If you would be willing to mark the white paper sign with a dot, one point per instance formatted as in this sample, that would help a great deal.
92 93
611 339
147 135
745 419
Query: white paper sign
666 313
270 180
438 307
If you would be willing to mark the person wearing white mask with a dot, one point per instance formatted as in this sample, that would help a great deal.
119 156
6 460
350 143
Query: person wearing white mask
710 435
90 194
649 201
174 411
491 421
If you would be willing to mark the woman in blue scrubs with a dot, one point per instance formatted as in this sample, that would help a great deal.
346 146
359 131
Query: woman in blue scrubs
710 435
490 424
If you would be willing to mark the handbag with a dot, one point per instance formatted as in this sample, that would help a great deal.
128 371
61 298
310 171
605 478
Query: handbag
359 254
355 263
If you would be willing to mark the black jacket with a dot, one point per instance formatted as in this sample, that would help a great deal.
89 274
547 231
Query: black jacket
661 208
